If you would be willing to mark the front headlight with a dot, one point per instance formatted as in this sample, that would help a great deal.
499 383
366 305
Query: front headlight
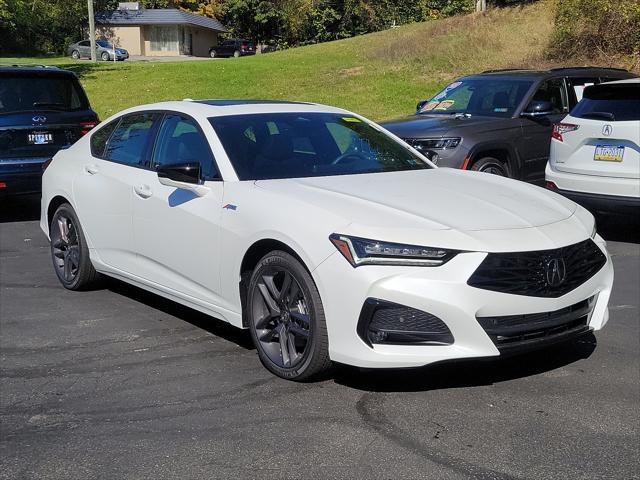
362 251
421 144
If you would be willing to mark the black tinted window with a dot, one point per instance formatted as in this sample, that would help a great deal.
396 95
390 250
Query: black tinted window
290 145
20 92
181 141
130 139
618 102
84 44
99 138
553 91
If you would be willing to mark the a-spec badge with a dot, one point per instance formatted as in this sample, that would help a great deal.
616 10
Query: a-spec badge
230 206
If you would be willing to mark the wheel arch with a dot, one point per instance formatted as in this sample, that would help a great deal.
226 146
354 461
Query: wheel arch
251 258
54 203
499 150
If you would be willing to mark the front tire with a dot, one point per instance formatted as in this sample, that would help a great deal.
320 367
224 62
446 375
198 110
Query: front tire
286 318
212 53
69 251
491 165
104 56
236 54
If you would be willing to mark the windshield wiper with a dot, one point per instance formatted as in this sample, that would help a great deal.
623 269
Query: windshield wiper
59 106
606 115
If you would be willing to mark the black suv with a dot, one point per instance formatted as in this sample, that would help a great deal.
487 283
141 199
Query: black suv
499 121
42 109
234 47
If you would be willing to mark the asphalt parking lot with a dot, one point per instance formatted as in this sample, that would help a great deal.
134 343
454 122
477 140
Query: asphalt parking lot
119 383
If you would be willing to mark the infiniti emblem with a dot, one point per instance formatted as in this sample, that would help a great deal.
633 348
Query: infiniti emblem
606 130
556 272
39 119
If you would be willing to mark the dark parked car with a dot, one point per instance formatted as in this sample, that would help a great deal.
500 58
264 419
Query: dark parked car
42 110
499 121
234 47
104 50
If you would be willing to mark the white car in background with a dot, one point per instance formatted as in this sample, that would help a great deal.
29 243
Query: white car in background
595 151
323 234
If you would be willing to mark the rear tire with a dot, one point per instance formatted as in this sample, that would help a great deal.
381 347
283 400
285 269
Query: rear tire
69 251
491 165
212 53
286 318
75 55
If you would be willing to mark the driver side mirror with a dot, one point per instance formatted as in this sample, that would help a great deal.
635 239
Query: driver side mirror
183 175
538 108
420 105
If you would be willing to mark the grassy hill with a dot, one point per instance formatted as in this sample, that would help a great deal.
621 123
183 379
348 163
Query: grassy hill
380 75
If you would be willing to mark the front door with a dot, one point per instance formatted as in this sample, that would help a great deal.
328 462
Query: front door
533 146
177 233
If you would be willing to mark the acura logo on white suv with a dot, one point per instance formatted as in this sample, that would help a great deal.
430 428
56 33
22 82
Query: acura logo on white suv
606 130
39 119
556 272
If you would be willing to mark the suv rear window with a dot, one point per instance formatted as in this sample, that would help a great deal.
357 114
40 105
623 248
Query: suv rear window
34 92
614 103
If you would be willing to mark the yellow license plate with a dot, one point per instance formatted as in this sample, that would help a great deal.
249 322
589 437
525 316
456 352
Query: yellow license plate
609 153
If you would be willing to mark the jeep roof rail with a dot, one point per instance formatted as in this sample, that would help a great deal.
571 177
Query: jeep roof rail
496 70
588 68
32 65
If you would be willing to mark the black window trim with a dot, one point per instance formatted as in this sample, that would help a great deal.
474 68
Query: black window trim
153 145
144 165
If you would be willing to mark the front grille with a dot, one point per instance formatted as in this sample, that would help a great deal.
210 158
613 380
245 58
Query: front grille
528 273
391 323
517 331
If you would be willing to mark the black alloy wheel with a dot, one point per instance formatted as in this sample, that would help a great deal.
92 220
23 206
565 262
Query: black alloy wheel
286 318
69 251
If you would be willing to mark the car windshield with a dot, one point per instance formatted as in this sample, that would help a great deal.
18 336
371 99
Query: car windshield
494 97
615 103
28 93
104 44
295 145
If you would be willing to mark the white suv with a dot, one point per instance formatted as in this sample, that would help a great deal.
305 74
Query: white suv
595 151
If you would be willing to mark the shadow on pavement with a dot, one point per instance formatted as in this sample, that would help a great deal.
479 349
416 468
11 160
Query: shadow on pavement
619 229
219 328
20 208
466 373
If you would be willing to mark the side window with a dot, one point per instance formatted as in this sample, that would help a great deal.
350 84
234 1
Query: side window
553 91
100 137
129 140
84 43
576 87
181 141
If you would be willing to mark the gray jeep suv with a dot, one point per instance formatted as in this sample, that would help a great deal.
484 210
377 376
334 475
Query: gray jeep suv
499 121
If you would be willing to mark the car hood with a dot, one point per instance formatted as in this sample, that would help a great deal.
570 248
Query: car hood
437 207
418 126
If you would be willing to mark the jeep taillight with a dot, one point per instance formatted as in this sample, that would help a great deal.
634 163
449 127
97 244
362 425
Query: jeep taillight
560 129
86 126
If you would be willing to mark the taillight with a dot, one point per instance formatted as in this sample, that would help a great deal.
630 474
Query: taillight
551 186
46 164
561 128
86 126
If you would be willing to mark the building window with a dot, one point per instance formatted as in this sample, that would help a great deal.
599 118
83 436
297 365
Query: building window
165 38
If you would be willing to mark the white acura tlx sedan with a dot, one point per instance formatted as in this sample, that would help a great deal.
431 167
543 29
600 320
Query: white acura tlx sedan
327 237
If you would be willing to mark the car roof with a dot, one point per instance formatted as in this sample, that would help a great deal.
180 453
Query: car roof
527 74
224 107
33 68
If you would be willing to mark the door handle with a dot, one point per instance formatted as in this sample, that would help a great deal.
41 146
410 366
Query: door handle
91 169
143 191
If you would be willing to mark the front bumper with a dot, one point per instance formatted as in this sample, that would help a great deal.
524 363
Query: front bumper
442 292
21 175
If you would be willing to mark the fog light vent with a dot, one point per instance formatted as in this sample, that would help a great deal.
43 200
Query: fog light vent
384 322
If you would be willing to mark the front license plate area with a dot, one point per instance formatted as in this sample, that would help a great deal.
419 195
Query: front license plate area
40 138
609 153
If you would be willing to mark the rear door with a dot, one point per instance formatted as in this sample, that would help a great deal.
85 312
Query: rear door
104 189
607 141
84 48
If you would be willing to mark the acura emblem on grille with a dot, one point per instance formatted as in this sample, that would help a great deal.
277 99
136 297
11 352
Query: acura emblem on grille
606 130
556 272
39 119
